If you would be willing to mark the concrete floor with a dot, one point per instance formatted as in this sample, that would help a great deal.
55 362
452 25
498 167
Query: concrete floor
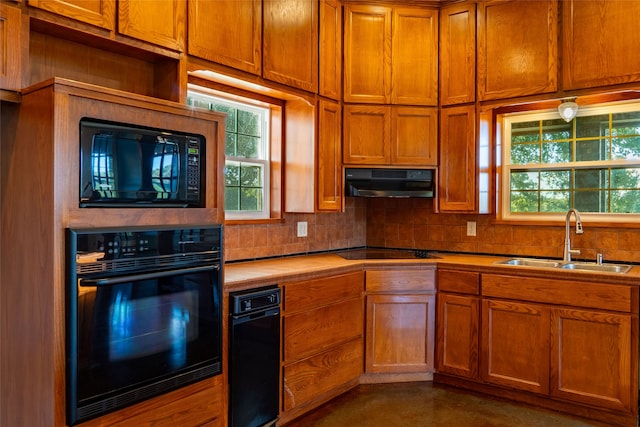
423 404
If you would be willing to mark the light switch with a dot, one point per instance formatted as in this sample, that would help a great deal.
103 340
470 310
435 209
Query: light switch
302 229
471 228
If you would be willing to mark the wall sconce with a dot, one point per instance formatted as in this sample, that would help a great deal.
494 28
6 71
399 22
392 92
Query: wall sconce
568 110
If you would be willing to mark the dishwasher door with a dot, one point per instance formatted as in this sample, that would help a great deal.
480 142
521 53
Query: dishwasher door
254 358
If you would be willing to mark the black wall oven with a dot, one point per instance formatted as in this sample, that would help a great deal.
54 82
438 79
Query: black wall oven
143 314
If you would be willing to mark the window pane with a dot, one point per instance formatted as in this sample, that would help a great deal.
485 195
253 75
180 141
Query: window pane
557 129
592 126
524 180
524 201
251 176
232 174
557 152
523 154
625 178
248 146
554 201
248 123
591 201
230 145
251 199
231 124
555 180
625 148
625 201
594 149
591 178
232 198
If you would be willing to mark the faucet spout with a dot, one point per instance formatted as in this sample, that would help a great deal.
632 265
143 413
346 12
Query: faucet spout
566 257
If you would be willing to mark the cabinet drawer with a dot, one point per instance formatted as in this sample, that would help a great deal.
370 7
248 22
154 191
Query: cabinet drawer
310 378
464 282
301 296
312 331
400 280
564 292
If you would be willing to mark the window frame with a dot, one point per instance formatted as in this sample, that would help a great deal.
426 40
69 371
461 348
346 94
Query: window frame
273 191
504 166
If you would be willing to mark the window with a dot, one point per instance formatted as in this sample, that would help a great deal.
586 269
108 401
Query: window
247 154
591 164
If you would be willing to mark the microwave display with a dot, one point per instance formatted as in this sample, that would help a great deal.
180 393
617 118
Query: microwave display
125 165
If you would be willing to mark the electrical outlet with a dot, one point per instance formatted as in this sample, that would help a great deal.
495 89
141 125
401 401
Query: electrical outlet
302 229
471 228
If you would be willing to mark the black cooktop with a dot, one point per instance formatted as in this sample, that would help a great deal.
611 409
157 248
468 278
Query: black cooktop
384 253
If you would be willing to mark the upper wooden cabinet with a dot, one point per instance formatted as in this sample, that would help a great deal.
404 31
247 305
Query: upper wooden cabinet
227 32
160 22
458 54
390 55
11 43
101 13
599 41
328 161
290 43
390 135
457 173
330 49
517 48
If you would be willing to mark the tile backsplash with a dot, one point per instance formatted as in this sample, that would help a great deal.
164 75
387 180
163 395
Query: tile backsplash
411 223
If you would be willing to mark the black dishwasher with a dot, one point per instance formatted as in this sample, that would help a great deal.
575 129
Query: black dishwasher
254 357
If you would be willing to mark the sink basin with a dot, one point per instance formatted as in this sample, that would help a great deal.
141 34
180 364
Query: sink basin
607 268
529 262
550 263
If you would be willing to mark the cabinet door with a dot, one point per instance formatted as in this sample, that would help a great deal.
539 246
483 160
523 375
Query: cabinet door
457 173
228 32
414 56
290 43
11 43
329 166
367 135
591 358
457 335
599 41
367 54
330 55
414 136
517 48
400 333
515 345
160 22
458 54
100 13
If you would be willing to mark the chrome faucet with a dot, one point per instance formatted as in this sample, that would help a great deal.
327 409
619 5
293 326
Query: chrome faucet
566 257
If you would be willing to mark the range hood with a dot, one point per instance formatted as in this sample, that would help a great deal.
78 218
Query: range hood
378 182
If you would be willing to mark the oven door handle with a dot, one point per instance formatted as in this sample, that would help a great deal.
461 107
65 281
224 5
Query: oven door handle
106 281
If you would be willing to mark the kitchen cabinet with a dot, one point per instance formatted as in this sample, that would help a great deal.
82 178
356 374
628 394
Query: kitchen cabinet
458 323
328 163
390 135
227 32
598 40
322 340
290 43
566 339
517 48
515 345
330 49
458 53
101 13
457 174
591 361
159 22
390 55
400 326
11 42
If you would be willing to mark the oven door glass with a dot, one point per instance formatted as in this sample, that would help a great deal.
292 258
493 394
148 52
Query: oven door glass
136 334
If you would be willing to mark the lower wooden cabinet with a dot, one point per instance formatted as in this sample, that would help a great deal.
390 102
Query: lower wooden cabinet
592 361
322 340
400 326
515 345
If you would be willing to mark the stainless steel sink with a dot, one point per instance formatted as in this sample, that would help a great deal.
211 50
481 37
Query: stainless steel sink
607 268
530 262
549 263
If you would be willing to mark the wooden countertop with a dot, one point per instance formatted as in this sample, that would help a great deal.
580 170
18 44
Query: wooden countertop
250 274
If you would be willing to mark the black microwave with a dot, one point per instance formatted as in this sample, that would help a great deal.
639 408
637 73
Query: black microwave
124 165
